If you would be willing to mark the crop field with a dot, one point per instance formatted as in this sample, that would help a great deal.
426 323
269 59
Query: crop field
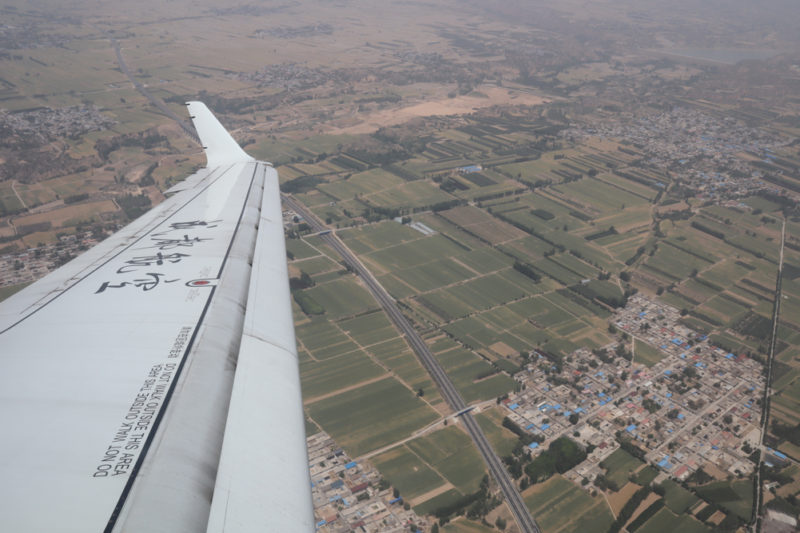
369 329
473 377
462 525
646 354
363 183
483 225
406 255
665 520
324 340
677 498
329 375
568 207
372 416
409 195
433 275
407 472
68 215
552 212
645 476
559 505
300 249
735 496
599 196
342 297
378 236
451 453
316 265
619 466
502 439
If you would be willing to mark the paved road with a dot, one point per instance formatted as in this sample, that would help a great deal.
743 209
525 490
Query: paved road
187 128
451 395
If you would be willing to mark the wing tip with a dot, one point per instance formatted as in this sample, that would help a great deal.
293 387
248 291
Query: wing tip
220 147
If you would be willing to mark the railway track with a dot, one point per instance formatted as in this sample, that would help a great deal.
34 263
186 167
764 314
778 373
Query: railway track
450 394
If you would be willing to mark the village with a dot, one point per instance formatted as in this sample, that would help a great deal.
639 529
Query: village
697 408
350 495
713 157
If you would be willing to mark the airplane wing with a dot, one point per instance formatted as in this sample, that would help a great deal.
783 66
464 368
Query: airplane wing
151 384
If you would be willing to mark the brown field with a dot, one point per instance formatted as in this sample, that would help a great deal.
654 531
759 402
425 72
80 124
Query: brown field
617 500
644 505
459 105
483 225
58 217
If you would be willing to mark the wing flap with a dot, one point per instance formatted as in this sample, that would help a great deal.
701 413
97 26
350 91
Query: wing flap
259 486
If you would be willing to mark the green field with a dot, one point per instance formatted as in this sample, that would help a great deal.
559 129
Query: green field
323 339
407 472
645 476
559 505
677 498
665 520
371 416
735 496
451 453
619 466
646 354
329 375
372 328
473 377
462 525
502 440
342 297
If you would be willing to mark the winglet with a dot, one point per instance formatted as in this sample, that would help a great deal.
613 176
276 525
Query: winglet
220 147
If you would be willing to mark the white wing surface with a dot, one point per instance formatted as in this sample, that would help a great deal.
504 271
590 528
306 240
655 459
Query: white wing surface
151 384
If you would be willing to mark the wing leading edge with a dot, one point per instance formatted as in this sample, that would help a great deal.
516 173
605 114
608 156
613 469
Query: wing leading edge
152 384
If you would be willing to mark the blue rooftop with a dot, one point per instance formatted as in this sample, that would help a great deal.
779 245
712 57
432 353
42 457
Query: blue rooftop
533 445
513 406
631 428
351 464
545 426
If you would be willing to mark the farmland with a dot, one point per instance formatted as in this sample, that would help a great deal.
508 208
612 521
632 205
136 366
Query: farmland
511 183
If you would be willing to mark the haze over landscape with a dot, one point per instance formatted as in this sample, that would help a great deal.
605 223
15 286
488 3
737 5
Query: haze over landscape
579 219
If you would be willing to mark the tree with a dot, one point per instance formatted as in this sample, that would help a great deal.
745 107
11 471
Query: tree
573 418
